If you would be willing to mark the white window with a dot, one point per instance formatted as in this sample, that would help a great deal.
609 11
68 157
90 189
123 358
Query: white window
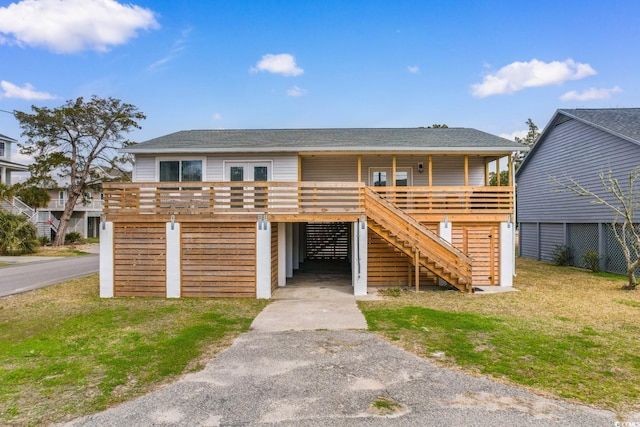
2 150
180 170
381 177
247 171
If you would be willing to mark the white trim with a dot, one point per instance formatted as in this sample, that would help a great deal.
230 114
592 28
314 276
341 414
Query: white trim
159 159
359 258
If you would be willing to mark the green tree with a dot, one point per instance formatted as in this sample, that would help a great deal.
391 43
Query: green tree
35 197
438 126
71 140
17 235
504 178
532 136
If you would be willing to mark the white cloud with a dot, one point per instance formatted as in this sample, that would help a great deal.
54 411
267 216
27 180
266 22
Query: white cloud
216 117
512 136
590 94
283 63
520 75
413 69
66 26
296 91
28 92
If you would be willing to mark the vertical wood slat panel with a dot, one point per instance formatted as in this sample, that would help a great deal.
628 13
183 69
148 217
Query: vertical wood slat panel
140 260
218 260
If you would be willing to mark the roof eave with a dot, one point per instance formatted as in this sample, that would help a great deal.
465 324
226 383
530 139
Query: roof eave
341 150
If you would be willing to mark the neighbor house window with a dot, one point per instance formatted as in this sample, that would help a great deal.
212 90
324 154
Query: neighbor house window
2 153
180 170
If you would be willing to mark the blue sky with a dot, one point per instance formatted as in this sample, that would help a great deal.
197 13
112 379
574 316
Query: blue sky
488 65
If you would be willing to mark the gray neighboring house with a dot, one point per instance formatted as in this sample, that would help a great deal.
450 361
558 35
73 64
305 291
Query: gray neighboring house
578 144
6 165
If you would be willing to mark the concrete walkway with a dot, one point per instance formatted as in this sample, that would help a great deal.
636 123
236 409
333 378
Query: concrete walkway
306 363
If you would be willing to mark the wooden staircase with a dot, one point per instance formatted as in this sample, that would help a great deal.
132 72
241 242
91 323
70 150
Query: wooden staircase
420 244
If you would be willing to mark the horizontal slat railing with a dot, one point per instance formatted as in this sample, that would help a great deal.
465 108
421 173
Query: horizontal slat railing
309 198
450 200
219 198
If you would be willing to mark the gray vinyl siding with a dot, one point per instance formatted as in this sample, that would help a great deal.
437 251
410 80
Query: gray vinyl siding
572 149
528 240
551 235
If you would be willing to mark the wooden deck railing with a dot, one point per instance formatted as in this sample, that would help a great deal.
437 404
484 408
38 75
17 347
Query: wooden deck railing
288 199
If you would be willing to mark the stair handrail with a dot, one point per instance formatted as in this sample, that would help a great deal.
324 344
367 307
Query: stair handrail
463 262
415 223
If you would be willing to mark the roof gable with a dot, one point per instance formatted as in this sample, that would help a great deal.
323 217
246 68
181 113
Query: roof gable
318 140
621 122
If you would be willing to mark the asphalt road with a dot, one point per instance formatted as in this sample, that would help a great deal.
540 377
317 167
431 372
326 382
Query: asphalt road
18 278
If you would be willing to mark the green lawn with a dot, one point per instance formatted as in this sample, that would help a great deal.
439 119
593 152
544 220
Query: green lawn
64 352
567 333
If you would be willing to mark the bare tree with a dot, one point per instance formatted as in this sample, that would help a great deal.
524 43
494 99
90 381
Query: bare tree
624 204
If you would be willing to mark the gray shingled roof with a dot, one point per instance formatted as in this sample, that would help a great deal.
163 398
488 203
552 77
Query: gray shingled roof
624 122
318 140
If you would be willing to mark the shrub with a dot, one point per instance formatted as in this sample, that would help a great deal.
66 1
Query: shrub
44 240
562 255
591 260
72 237
17 235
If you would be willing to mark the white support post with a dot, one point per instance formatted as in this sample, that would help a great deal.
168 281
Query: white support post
173 263
507 262
282 254
359 258
263 258
445 233
106 260
289 250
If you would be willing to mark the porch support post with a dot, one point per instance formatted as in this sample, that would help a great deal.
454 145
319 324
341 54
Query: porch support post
466 170
445 234
282 254
510 165
263 258
173 261
359 257
430 165
289 250
359 157
507 267
416 265
498 180
393 170
106 260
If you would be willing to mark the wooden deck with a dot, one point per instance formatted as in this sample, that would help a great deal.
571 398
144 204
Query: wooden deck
297 202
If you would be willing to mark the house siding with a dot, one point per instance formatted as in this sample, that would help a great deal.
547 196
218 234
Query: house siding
285 167
551 235
447 170
572 149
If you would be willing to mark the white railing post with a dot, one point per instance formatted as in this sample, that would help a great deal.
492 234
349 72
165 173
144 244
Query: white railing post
263 258
173 260
106 260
